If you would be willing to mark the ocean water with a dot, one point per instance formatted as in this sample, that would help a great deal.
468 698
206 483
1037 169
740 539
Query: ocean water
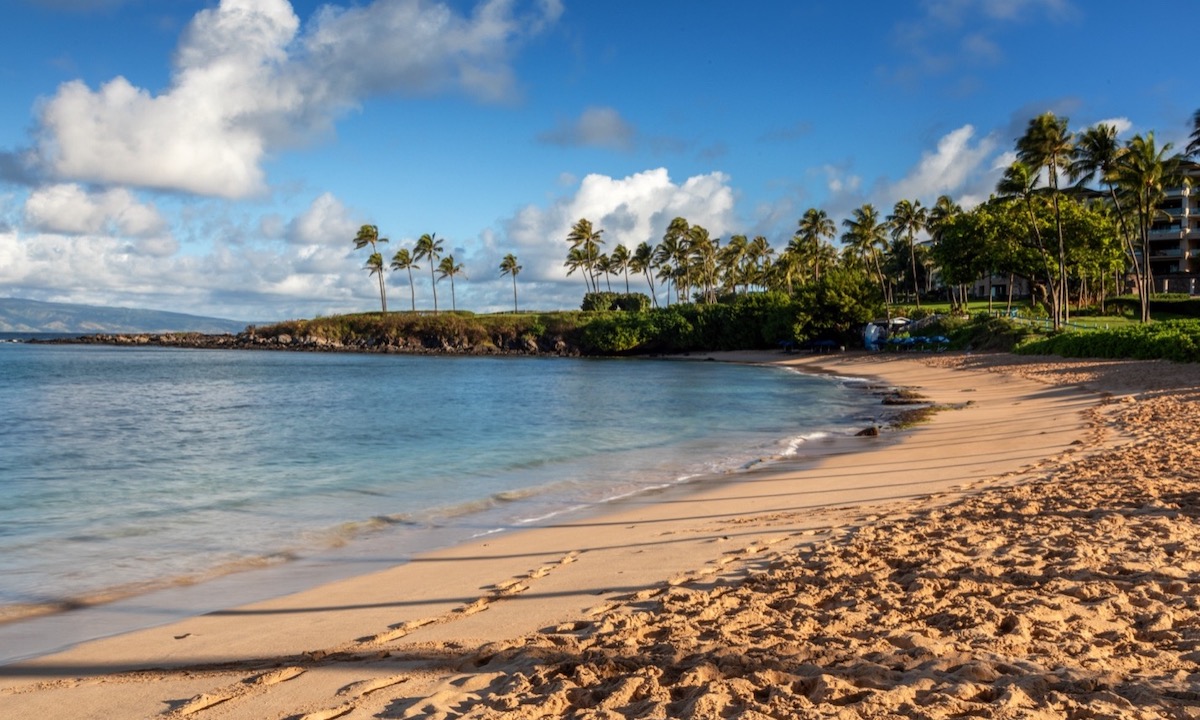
128 469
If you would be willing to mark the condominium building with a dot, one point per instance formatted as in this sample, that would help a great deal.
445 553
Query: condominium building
1175 237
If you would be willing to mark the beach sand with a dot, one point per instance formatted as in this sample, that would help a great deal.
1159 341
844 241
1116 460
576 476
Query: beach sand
1032 550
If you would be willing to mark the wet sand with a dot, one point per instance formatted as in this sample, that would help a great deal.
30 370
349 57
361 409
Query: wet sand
1030 551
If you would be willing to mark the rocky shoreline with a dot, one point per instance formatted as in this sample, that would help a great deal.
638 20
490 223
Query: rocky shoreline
252 340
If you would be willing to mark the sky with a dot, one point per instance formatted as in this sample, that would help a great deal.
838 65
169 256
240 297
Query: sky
218 157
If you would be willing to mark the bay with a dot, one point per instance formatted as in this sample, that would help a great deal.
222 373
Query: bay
123 470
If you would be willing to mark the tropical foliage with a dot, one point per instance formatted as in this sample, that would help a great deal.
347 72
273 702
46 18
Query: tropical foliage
1071 220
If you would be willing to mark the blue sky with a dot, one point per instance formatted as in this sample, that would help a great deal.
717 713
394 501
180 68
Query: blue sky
217 158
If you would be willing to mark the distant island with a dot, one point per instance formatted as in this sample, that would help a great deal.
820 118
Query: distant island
18 315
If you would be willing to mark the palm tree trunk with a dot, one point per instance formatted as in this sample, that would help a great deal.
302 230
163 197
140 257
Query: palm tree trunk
912 254
412 290
433 282
515 310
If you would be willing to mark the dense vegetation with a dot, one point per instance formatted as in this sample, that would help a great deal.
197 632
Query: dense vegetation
1177 340
754 321
1077 246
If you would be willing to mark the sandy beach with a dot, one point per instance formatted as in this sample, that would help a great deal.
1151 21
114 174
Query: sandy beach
1032 550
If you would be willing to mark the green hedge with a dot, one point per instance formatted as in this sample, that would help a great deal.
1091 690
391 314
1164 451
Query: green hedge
1177 340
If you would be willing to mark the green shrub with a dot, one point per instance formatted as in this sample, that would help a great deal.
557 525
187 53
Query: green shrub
1177 340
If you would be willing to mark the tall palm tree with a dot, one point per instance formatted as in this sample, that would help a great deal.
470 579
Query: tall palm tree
586 239
675 251
1096 155
375 266
430 246
864 236
1020 182
732 257
907 219
759 253
448 268
814 226
402 260
1047 143
943 212
1144 172
671 258
509 266
576 260
603 266
620 259
369 235
643 262
702 255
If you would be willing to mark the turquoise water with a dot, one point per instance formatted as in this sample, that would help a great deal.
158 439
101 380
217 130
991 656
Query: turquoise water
135 468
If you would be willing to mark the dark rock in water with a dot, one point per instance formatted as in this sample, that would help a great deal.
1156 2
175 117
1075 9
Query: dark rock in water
872 431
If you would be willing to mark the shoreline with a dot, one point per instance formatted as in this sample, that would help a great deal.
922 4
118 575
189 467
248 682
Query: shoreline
29 632
458 627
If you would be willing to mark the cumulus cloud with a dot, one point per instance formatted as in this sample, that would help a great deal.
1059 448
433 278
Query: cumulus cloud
326 220
953 168
630 210
70 209
247 81
251 281
1122 124
595 127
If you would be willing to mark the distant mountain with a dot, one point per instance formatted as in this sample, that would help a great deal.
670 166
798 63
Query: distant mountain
20 316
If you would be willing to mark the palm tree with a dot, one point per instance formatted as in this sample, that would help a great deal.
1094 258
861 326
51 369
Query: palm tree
675 253
863 237
447 268
943 212
908 219
375 266
1019 181
643 262
586 239
732 257
1144 172
1096 154
702 254
619 261
509 266
813 227
575 261
759 253
429 246
671 257
369 235
604 267
402 260
1047 143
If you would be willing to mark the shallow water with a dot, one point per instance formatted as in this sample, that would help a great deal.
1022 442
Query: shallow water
125 469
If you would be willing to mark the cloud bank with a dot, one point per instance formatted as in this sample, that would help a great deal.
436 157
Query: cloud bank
248 81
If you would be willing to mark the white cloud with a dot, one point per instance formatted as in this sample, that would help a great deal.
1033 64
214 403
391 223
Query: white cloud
247 82
87 257
953 169
1122 124
629 210
596 127
69 209
326 221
